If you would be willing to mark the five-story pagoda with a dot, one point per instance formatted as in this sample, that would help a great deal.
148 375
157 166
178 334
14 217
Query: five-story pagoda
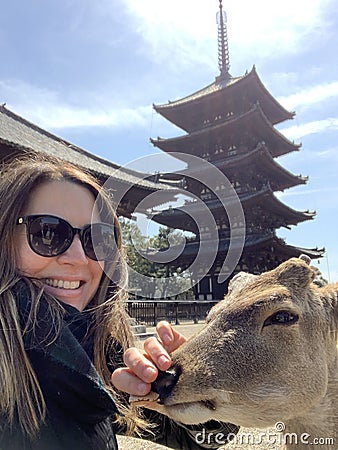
231 125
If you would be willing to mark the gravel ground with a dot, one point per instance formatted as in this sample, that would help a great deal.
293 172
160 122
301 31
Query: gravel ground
127 443
247 439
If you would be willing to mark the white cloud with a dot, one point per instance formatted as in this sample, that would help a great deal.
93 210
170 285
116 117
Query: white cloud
310 96
188 28
276 27
60 116
300 193
330 154
47 108
316 126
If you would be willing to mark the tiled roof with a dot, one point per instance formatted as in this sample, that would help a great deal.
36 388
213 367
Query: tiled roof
20 134
217 85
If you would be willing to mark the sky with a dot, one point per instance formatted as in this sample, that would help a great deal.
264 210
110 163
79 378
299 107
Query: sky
90 72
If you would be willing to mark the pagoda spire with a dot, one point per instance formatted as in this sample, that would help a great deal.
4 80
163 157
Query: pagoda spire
223 47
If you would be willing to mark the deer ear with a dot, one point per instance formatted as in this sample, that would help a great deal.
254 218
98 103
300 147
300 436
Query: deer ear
239 281
295 273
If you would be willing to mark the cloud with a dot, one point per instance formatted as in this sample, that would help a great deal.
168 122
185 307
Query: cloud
63 116
310 96
277 27
49 110
313 127
186 31
299 193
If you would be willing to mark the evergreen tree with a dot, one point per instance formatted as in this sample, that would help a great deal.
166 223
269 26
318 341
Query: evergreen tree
156 276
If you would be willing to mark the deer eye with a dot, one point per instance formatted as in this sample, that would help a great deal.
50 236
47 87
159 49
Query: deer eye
282 318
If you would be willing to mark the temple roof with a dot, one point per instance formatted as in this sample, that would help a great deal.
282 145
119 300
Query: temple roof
233 94
244 131
258 159
261 201
17 134
252 242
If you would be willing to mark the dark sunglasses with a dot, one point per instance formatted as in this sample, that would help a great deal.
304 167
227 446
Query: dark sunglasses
51 236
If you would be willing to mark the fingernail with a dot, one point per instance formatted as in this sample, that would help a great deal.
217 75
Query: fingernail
142 388
166 338
163 360
150 372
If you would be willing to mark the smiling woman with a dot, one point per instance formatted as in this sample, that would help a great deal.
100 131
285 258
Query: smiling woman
55 264
63 324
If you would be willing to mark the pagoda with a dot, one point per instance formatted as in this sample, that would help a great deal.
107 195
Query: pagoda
230 124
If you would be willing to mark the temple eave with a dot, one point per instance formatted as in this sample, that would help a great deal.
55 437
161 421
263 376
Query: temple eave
252 243
180 111
230 127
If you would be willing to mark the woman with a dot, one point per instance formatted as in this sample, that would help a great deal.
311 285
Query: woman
63 326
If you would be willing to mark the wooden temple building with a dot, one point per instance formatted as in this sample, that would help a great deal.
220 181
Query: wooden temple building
18 135
231 124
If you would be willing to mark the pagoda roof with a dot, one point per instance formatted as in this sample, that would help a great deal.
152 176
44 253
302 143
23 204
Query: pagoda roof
281 247
18 135
252 242
279 177
182 217
245 130
223 95
267 200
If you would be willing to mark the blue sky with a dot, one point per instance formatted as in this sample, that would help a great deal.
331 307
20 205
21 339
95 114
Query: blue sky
90 71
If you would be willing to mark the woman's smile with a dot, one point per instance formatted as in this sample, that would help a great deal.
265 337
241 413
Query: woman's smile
62 284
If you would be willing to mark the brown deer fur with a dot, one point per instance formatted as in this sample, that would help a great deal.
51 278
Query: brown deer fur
267 354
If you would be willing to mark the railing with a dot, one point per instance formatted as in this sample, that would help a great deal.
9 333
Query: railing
150 312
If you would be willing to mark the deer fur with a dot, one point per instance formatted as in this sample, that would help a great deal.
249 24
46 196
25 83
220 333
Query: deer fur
267 354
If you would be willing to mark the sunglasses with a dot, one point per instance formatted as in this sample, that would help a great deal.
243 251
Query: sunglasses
51 236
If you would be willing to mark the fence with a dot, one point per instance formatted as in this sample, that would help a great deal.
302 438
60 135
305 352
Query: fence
150 312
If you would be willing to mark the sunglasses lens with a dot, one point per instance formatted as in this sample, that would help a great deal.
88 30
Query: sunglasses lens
49 236
52 236
99 242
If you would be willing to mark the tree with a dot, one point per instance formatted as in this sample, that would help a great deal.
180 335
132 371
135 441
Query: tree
319 279
155 278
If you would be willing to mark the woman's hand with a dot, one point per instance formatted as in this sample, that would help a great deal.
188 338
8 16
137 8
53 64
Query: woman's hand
143 364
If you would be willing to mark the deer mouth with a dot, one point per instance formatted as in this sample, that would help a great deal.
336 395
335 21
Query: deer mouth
208 404
189 413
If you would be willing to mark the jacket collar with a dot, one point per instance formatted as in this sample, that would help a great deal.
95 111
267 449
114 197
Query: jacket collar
65 371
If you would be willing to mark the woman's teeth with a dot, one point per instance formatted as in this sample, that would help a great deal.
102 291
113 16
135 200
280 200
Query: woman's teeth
62 284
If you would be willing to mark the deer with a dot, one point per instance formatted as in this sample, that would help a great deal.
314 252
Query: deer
267 355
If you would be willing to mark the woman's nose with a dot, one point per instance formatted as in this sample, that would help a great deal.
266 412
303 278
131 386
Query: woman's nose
75 253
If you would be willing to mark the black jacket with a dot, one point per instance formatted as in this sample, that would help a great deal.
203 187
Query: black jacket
80 411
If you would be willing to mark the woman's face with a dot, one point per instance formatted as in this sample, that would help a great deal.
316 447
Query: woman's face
76 276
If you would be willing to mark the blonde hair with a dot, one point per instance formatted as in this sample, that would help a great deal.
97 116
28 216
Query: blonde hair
21 396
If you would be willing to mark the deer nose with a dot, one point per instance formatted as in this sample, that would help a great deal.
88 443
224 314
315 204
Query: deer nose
165 382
